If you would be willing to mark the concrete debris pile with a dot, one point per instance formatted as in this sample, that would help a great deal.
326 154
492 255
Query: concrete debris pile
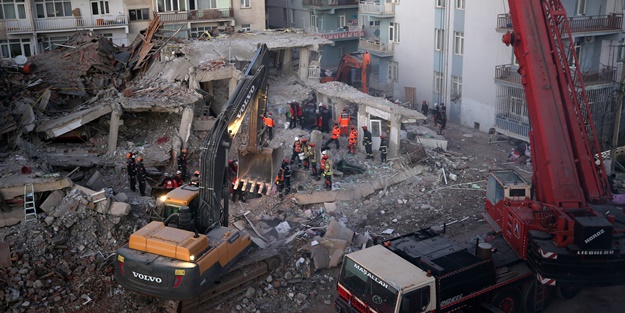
62 263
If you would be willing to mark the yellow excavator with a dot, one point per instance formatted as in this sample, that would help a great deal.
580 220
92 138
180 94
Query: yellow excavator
191 256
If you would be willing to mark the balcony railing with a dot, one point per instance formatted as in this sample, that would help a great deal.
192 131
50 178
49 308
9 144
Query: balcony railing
350 32
606 75
371 7
578 24
323 3
374 45
19 25
211 14
512 127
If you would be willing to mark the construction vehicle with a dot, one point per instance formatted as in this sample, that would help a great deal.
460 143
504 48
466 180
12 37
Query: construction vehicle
190 255
558 234
354 70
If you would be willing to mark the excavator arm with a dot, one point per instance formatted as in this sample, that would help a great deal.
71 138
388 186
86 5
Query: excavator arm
361 62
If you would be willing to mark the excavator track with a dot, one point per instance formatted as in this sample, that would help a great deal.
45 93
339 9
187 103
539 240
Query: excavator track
245 273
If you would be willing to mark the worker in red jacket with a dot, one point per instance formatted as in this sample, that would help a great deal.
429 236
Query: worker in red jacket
168 182
318 120
344 120
269 123
293 114
300 115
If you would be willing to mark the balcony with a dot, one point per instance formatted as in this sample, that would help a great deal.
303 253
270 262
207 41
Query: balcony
196 15
352 32
607 75
69 23
373 45
578 24
376 8
512 127
329 4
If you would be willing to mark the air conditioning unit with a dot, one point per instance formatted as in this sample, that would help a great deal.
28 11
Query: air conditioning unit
589 39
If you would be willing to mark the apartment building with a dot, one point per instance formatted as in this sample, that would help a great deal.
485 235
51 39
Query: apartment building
30 27
336 20
456 56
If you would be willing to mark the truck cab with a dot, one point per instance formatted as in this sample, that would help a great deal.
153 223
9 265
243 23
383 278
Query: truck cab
377 280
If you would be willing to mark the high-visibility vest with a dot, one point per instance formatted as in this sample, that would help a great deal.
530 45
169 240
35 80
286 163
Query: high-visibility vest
269 122
327 168
336 133
297 146
344 120
322 164
353 135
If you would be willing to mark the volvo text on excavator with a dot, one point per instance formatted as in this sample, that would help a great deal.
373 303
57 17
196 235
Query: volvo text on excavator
190 255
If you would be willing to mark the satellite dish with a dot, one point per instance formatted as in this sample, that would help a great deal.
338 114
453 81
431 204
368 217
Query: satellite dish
20 60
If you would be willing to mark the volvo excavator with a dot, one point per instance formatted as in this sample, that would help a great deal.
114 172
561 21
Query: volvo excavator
354 70
192 256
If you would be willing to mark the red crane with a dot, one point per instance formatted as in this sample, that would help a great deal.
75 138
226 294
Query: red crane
563 224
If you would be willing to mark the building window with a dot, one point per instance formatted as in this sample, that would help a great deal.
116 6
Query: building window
456 85
139 14
13 47
245 4
172 5
313 20
439 39
393 71
440 3
12 9
459 43
246 27
393 32
518 109
438 82
99 7
374 23
581 7
53 8
460 4
341 21
292 13
196 32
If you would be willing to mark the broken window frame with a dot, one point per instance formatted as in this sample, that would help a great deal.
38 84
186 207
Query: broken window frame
139 14
53 8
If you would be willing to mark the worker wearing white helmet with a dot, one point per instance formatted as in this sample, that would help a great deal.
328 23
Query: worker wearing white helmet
297 149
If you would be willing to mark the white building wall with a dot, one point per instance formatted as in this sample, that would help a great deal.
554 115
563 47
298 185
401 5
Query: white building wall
415 53
482 52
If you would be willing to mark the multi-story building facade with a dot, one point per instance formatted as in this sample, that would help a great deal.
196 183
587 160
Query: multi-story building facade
336 20
457 57
29 27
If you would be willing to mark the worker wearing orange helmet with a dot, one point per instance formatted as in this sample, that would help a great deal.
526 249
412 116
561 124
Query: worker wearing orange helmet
141 175
182 164
352 141
344 120
269 123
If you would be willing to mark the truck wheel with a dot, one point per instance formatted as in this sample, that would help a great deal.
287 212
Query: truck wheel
508 301
567 293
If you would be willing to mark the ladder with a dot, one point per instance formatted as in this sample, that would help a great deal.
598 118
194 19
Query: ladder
30 212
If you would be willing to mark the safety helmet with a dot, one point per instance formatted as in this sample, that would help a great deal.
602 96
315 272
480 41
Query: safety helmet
128 155
167 175
336 124
312 144
178 172
324 152
382 136
139 159
353 127
320 104
364 127
436 105
184 150
270 113
197 173
296 138
324 106
325 156
304 140
344 110
134 152
287 160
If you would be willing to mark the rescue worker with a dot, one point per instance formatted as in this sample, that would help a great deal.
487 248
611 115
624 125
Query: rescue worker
293 114
297 149
435 111
313 160
169 183
326 117
336 133
237 192
132 171
318 120
233 167
322 163
287 176
182 163
344 120
269 123
382 149
280 180
424 110
305 150
352 141
141 175
327 172
195 179
178 178
367 142
441 119
300 115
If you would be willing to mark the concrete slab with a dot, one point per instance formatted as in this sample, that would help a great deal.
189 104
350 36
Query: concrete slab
13 186
11 217
119 209
52 200
95 182
59 126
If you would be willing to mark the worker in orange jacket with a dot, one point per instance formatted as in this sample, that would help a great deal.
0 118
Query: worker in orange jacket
344 120
269 123
352 141
336 133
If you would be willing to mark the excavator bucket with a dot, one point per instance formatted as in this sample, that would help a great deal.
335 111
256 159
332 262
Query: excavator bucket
257 170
